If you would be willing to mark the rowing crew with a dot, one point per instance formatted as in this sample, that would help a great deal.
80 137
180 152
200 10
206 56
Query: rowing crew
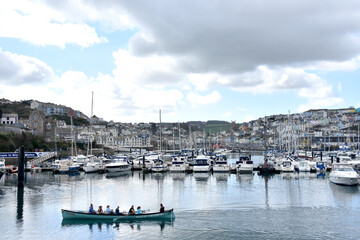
117 210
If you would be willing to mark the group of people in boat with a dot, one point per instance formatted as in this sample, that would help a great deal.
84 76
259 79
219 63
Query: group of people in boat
117 210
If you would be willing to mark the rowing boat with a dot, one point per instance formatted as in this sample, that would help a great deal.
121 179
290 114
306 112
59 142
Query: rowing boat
69 214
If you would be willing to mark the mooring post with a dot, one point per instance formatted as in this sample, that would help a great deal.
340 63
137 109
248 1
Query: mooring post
21 159
143 162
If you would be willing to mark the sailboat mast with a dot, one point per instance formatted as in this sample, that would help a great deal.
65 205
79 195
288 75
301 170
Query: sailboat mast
179 137
160 131
72 137
91 120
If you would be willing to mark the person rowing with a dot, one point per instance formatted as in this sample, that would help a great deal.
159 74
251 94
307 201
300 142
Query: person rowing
91 209
138 211
132 210
162 208
100 210
117 210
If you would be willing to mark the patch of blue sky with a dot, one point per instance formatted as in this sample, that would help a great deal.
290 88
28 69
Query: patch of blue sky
347 85
91 60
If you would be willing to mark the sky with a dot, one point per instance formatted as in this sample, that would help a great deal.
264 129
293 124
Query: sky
194 60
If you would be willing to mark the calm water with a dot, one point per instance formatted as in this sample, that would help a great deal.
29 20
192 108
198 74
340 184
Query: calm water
207 206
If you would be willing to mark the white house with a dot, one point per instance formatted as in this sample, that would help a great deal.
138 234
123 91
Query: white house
9 118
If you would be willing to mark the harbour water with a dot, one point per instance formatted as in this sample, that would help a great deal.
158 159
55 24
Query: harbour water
207 206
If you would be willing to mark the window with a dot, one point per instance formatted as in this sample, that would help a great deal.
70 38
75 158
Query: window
7 118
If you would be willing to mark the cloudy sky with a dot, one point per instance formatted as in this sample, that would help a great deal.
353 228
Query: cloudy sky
195 60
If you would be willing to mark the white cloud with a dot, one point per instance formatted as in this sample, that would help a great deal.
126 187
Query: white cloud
39 24
18 69
198 100
249 118
227 114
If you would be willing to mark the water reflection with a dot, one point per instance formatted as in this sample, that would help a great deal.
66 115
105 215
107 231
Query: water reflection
178 176
116 225
201 177
221 176
245 177
321 175
158 176
118 174
344 193
20 203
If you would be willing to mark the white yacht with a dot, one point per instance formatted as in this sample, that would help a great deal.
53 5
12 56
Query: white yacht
159 166
221 164
118 164
244 164
303 166
202 164
94 165
178 164
139 162
287 166
343 174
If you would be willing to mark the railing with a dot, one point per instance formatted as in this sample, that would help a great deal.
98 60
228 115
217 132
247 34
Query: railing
43 158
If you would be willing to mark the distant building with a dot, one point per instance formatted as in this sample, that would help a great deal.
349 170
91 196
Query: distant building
37 122
9 118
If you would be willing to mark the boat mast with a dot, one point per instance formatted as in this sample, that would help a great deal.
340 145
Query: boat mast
179 137
72 137
160 131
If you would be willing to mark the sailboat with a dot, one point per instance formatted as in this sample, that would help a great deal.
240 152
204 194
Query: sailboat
158 164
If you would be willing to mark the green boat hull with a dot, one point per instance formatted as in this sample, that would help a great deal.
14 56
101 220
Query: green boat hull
82 215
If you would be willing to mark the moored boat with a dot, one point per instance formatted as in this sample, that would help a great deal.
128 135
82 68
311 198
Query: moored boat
343 174
84 215
244 164
221 164
178 164
118 164
202 164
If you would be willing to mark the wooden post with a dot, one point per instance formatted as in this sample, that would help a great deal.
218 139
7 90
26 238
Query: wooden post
21 159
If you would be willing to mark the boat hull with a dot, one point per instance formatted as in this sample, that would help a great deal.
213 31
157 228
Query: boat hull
82 215
120 168
206 168
245 168
347 181
221 168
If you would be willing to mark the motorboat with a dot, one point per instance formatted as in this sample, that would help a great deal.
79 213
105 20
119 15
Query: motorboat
178 164
144 162
343 174
63 167
159 166
244 164
202 164
94 165
287 166
221 164
303 166
118 164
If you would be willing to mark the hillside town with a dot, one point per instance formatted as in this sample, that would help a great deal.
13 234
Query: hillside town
320 129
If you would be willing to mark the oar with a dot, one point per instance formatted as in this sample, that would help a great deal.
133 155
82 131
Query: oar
115 219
